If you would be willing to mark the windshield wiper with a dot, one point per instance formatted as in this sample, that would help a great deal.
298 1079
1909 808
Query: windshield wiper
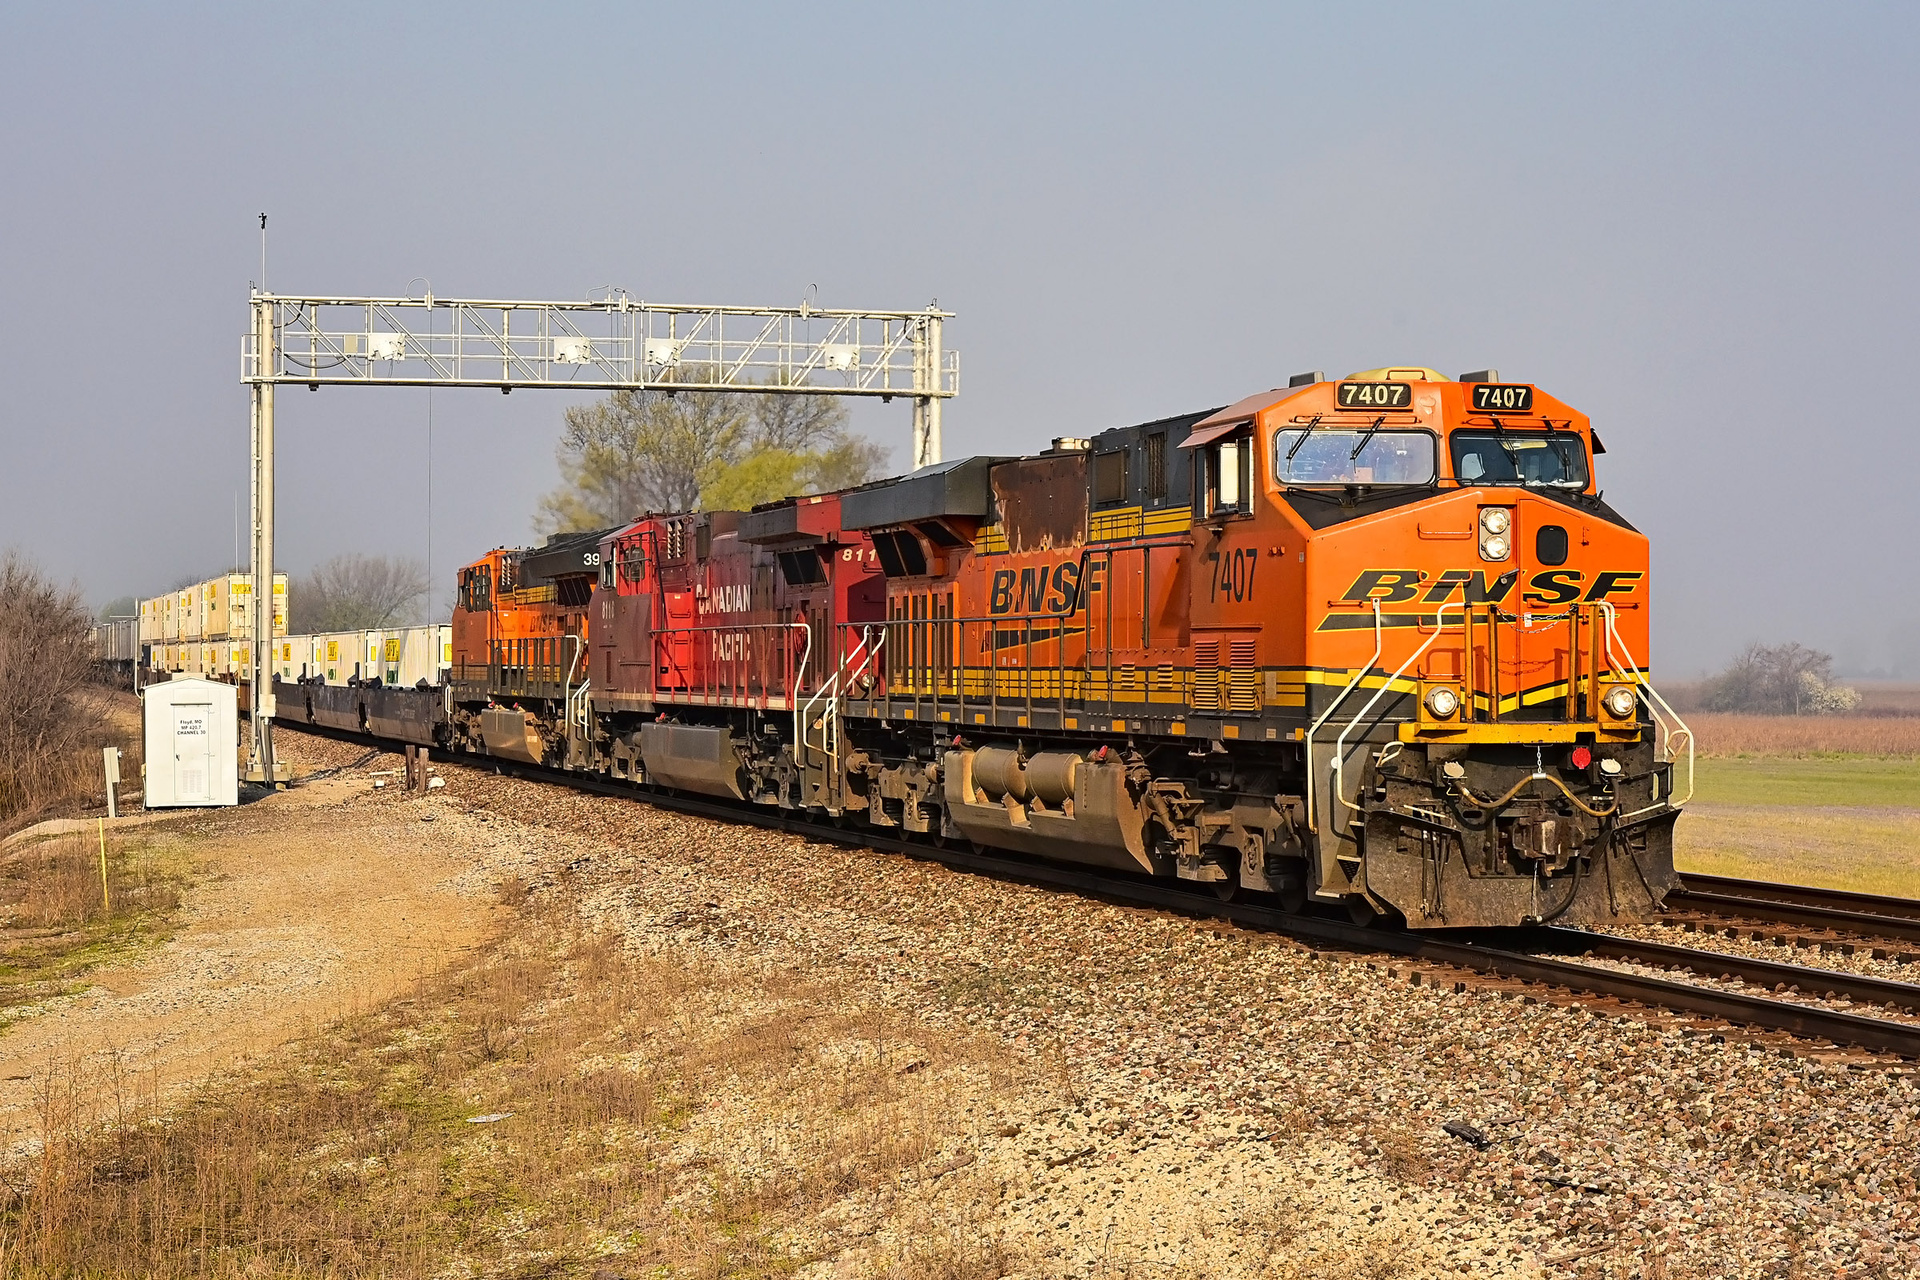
1513 459
1366 436
1303 436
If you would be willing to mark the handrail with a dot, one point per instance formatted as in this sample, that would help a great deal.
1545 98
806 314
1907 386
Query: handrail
1379 644
566 678
1340 743
799 679
830 688
1655 704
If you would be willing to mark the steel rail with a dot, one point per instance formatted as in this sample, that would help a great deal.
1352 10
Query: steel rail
1805 896
1805 1021
1738 907
1810 980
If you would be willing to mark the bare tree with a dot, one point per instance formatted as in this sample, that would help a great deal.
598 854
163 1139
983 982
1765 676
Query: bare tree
357 593
46 659
797 422
639 451
1781 679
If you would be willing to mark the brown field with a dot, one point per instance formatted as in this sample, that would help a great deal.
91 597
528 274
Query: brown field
1722 734
551 1107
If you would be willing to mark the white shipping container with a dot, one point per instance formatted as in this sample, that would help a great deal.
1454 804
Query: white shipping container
292 656
327 657
341 656
162 618
192 734
409 655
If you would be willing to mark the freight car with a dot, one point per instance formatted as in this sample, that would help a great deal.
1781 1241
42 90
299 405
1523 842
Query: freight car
1376 643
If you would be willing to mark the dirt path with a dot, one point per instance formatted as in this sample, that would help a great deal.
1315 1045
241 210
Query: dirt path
302 907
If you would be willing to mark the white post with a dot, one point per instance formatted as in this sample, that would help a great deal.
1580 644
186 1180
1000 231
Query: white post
260 675
110 763
926 401
933 384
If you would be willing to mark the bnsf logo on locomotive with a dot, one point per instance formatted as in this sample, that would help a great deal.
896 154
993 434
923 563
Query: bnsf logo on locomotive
1552 586
1036 589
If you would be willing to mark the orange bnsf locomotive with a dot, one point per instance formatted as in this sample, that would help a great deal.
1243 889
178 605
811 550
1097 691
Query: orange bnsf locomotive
1375 643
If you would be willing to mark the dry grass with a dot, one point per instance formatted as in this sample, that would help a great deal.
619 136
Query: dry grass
1402 1157
1721 734
53 922
642 1116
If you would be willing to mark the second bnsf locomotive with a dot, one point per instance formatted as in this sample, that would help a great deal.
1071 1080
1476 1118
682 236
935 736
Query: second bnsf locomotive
1374 642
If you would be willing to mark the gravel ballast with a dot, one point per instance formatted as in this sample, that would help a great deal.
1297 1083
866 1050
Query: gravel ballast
1232 1103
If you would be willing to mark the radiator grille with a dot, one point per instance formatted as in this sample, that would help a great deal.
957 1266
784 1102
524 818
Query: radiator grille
1206 675
1243 689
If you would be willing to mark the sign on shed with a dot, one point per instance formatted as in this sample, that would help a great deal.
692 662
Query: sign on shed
193 743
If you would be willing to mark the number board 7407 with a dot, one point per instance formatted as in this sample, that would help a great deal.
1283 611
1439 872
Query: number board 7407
1499 397
1374 395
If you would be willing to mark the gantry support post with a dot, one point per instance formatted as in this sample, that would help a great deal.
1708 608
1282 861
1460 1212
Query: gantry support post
260 674
926 407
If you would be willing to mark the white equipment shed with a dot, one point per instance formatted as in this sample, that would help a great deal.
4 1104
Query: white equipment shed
193 743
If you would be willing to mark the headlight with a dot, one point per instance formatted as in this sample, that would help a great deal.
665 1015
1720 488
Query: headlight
1619 703
1494 523
1442 702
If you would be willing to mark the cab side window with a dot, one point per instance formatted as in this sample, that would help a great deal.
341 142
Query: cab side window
1226 479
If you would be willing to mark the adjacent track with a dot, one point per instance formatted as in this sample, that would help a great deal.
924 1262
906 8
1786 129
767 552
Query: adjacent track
1868 915
1811 981
1501 961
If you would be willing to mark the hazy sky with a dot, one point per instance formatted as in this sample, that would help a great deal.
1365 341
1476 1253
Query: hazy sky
1696 222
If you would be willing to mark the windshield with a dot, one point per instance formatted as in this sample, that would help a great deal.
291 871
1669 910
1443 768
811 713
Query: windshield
1341 455
1554 460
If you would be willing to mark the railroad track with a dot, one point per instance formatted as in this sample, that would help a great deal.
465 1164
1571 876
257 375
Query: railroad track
1867 915
1832 983
1477 955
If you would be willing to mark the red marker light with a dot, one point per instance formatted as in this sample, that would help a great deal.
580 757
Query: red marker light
1580 758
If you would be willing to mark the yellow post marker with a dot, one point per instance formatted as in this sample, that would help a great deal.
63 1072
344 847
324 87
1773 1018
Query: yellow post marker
105 905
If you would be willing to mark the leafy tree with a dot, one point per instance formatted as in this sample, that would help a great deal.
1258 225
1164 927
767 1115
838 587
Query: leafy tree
119 607
1782 679
761 476
639 451
356 593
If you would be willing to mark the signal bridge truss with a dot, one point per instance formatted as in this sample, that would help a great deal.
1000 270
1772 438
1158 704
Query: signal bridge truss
615 343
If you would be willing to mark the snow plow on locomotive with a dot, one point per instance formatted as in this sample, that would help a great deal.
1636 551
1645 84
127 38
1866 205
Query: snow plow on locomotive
1375 643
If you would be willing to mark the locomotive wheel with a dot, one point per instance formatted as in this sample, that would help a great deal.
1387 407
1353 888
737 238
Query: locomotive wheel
1226 890
1361 912
1292 892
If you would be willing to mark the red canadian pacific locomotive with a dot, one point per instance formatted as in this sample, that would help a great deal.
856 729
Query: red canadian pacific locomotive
1374 642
